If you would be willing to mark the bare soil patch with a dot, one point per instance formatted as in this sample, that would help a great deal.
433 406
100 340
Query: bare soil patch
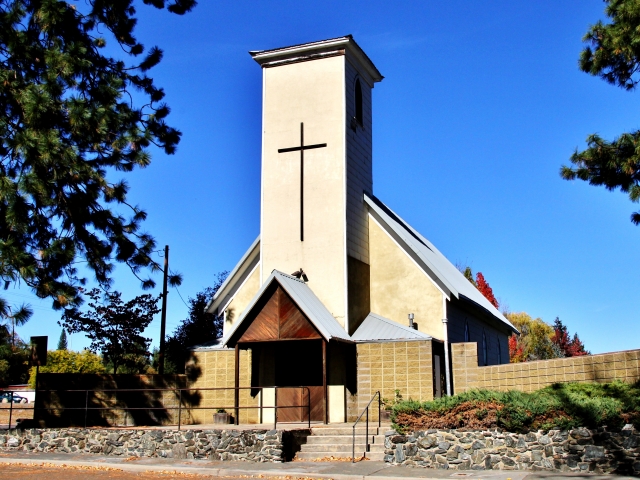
20 410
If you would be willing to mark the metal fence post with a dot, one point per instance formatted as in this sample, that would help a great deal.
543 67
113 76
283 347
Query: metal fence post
275 408
86 407
10 411
179 409
353 444
366 438
309 405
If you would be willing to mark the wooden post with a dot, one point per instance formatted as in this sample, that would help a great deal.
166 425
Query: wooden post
324 380
236 402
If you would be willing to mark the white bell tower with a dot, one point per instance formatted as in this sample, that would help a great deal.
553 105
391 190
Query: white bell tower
316 164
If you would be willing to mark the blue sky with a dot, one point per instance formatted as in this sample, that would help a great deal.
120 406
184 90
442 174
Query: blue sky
481 105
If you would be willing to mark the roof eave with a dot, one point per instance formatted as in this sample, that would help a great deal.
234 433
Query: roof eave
274 277
313 50
221 294
504 321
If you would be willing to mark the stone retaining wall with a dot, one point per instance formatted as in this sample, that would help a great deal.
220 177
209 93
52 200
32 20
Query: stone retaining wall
579 450
248 445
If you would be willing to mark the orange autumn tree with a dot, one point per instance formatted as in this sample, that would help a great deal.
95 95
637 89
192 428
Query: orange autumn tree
537 339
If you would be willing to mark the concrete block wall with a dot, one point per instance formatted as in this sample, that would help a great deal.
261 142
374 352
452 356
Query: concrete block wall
113 400
391 366
217 370
530 376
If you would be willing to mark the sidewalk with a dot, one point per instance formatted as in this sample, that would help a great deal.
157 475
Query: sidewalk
366 470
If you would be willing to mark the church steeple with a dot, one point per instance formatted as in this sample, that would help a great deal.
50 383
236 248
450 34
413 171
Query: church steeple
316 164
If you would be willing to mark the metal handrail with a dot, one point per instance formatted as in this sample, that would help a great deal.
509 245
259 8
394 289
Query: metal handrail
366 441
178 392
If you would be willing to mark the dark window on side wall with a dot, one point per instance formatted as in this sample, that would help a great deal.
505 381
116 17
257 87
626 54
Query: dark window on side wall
484 348
358 102
466 332
499 352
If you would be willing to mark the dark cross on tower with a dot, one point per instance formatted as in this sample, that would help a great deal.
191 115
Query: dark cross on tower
301 149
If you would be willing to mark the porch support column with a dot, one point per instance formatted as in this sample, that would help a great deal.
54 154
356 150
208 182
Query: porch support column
236 401
324 380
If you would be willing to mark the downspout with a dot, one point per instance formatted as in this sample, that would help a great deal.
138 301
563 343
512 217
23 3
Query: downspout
446 355
445 335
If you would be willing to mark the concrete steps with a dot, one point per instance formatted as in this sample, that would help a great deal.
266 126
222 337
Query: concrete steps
342 439
336 441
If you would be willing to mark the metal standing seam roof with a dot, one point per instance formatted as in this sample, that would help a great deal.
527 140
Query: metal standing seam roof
230 280
305 299
376 327
446 272
212 345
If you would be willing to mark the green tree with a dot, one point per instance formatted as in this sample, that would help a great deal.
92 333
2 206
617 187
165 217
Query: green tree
198 328
137 362
468 274
14 358
114 327
69 115
67 361
62 342
534 341
613 54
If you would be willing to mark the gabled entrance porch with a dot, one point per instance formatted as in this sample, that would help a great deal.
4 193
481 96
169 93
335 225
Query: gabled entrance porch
290 335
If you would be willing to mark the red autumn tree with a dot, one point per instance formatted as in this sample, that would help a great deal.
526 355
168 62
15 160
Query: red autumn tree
516 349
569 347
485 289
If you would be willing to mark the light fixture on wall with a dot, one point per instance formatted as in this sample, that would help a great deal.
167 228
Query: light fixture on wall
411 324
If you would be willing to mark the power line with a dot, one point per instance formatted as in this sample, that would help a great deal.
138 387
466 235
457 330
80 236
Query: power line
185 303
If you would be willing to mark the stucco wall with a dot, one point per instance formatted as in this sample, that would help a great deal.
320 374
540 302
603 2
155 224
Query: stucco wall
359 165
311 92
217 370
530 376
399 287
241 299
391 366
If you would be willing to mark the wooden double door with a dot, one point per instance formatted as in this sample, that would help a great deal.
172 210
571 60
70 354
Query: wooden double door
299 378
296 403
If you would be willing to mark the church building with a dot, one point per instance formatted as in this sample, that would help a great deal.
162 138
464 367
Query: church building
338 297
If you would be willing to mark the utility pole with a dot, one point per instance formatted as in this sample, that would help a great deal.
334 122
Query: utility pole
163 320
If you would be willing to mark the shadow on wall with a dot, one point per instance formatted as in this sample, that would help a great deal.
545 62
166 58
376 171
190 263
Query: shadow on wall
78 400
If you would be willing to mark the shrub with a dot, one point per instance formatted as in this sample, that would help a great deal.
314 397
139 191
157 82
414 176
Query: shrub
562 406
66 361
